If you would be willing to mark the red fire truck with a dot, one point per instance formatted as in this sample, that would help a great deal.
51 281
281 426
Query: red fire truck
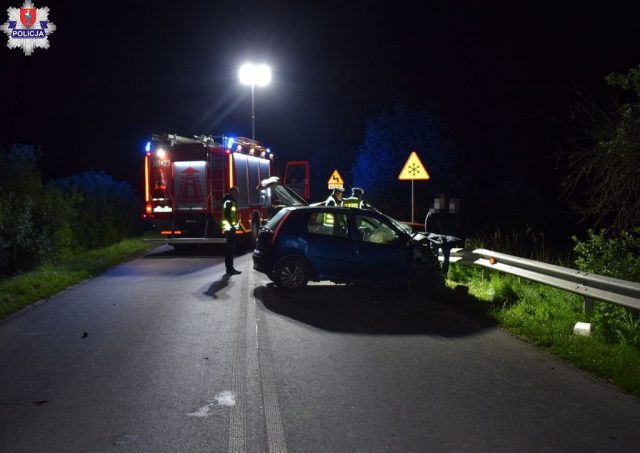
186 178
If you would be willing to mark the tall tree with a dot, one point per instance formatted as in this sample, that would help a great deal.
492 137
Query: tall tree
603 178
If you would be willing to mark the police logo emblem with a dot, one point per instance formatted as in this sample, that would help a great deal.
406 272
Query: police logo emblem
28 28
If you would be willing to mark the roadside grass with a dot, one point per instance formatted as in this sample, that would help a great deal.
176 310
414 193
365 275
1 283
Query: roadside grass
50 278
545 316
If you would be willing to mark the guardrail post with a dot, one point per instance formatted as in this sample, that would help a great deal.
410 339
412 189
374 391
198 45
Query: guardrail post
485 274
587 305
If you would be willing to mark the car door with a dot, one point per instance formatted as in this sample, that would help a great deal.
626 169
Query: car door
382 251
329 247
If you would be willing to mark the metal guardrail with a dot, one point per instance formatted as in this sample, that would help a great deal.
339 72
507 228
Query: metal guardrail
590 286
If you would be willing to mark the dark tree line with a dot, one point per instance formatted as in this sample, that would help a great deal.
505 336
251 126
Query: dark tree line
603 177
600 181
485 203
40 222
388 140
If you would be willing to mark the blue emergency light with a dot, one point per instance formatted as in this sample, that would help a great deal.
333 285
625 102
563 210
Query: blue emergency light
147 147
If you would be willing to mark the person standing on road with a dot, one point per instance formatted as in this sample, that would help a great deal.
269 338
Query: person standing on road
335 199
230 225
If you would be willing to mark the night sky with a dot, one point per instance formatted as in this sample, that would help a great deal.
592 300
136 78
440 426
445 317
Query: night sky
499 77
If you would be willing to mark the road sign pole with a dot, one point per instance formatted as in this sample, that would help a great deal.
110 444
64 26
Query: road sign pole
413 210
413 169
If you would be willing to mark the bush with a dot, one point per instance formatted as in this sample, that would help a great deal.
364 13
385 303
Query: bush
26 232
104 210
617 257
40 222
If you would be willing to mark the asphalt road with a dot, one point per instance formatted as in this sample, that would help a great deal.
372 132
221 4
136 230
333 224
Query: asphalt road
164 354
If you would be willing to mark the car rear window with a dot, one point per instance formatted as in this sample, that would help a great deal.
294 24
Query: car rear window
328 223
275 220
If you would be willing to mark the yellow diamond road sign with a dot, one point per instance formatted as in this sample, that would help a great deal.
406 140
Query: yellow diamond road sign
413 169
335 180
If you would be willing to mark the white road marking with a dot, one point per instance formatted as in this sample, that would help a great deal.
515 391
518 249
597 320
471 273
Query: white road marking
226 398
204 411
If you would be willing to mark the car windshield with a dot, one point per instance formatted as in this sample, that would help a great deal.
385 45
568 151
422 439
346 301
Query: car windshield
399 225
372 229
284 196
275 220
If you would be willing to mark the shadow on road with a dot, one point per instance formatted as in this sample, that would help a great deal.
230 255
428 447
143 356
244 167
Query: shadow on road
165 261
218 285
372 310
191 251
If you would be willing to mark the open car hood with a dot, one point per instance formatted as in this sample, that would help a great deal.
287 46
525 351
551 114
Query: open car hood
281 194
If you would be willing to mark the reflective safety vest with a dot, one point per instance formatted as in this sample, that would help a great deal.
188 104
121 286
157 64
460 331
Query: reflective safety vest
328 217
331 201
329 220
229 215
352 202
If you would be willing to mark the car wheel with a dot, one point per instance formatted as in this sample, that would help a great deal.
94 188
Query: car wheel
291 273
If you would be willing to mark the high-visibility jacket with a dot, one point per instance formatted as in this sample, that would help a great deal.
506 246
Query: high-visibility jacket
332 201
329 219
229 214
353 202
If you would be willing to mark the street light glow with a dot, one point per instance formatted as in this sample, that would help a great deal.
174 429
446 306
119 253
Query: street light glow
256 75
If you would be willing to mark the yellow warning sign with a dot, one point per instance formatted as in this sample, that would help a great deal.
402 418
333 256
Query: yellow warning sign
335 181
414 169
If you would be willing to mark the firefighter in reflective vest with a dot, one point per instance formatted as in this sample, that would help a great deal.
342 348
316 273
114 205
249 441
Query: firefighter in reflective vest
355 200
335 199
230 225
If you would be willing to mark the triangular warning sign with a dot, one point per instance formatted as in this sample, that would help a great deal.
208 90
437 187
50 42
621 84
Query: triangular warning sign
335 180
414 169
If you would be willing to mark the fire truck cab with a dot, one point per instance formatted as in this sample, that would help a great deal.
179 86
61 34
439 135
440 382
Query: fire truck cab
186 179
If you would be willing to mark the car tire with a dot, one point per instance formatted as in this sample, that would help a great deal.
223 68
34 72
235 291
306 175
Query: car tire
291 273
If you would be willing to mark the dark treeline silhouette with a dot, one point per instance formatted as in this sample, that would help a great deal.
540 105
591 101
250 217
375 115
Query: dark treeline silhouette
39 221
504 203
602 156
467 203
